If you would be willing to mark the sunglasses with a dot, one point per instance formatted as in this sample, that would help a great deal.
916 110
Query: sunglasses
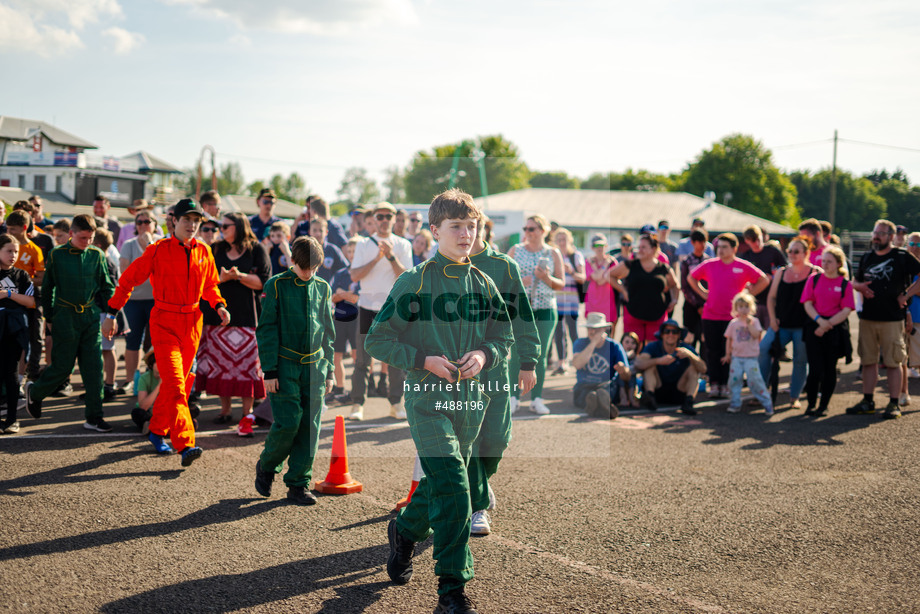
670 331
913 243
209 229
414 219
794 251
268 201
226 226
142 222
625 244
384 216
530 229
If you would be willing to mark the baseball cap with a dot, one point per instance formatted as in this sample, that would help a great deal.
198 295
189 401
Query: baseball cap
648 229
598 239
385 206
187 206
267 192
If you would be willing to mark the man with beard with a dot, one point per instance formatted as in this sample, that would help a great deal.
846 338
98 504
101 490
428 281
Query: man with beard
884 279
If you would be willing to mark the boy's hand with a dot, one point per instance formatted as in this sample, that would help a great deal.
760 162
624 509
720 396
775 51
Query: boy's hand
440 366
109 328
271 385
224 316
526 381
725 359
472 363
329 385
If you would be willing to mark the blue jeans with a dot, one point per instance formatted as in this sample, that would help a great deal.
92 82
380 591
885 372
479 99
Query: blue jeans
799 357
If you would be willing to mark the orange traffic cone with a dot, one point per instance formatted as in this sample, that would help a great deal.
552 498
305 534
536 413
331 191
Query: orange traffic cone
338 481
417 474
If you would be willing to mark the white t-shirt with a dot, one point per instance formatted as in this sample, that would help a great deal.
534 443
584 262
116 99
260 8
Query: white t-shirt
376 285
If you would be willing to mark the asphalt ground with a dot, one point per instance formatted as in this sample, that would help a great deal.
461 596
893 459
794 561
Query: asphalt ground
651 512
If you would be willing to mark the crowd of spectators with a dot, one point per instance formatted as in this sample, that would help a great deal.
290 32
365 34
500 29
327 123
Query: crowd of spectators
740 312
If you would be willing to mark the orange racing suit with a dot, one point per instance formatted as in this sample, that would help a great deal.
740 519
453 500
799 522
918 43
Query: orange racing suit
181 275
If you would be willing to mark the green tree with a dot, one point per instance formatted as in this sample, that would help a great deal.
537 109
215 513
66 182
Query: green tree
879 176
255 187
357 187
394 185
229 179
597 181
642 180
554 179
858 203
743 166
903 202
428 172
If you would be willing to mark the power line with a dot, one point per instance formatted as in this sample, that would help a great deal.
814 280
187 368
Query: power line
286 162
897 147
807 144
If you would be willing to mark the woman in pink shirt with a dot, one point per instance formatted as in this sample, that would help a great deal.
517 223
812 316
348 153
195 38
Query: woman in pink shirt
828 300
726 276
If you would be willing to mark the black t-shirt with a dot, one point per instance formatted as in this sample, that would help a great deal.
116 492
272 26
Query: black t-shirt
648 291
242 302
45 242
768 260
18 281
887 276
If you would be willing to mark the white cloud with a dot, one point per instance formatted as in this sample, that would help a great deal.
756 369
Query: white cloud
50 27
19 32
125 42
330 17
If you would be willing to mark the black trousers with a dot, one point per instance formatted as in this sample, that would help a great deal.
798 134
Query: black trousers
714 335
693 322
363 362
823 353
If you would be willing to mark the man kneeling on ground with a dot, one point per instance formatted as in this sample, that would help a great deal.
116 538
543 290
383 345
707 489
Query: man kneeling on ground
670 370
602 369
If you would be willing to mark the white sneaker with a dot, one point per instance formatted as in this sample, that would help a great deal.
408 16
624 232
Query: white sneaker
904 401
491 498
913 373
479 524
357 412
734 410
538 407
514 404
398 411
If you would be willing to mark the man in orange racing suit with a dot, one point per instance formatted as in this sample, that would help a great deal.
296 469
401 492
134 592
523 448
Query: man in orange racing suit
182 272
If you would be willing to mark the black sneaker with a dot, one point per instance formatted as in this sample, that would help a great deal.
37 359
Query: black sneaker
190 455
812 411
862 408
591 403
399 563
687 406
344 399
821 411
455 602
331 397
648 401
892 411
264 480
300 496
33 408
98 424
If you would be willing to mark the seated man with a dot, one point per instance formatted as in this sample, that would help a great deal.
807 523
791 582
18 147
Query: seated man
670 370
602 368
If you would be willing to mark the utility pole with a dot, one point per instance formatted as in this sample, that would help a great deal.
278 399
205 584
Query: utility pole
832 207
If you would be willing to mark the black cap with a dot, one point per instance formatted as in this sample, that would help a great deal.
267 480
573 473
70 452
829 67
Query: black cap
185 207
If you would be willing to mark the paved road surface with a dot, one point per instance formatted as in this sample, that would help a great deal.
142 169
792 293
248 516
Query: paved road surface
647 513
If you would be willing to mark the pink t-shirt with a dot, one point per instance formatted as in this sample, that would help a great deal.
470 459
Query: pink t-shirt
725 281
826 295
815 256
744 344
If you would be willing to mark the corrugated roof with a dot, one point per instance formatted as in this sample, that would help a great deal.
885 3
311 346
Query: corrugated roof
18 129
53 204
147 162
627 210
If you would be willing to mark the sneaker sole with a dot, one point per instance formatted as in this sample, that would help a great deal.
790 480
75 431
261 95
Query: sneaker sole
93 427
480 531
191 457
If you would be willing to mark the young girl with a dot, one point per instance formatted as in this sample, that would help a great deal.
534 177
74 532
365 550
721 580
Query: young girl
828 300
742 350
630 343
16 297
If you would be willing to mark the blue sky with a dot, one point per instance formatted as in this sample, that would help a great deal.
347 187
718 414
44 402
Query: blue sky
579 86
